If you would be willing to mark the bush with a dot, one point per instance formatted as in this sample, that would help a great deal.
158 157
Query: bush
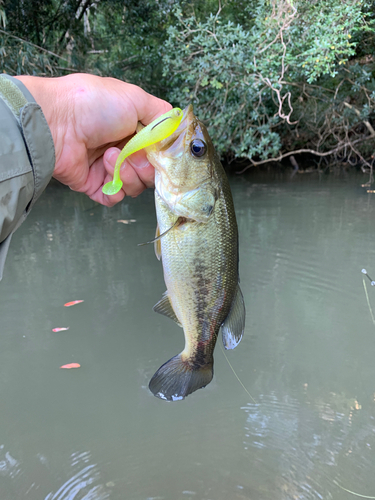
269 77
290 78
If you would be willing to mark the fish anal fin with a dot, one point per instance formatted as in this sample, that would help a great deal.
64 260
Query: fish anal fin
234 324
157 244
178 378
164 307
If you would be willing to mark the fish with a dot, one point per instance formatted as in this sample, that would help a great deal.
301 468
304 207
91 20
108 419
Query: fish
197 243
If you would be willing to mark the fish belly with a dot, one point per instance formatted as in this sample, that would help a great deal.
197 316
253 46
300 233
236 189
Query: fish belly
200 272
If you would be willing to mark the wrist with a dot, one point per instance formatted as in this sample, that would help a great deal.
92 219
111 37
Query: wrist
47 93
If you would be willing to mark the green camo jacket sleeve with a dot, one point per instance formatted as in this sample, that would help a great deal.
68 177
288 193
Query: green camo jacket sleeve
27 157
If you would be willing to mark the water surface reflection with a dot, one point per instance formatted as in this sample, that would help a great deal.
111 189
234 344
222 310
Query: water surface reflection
307 356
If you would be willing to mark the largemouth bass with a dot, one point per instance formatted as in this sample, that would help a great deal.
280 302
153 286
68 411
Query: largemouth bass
197 241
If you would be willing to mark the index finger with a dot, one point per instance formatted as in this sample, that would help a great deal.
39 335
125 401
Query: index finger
146 106
109 110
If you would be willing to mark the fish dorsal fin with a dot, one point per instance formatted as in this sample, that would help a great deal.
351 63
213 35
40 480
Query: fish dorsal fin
157 244
234 324
164 307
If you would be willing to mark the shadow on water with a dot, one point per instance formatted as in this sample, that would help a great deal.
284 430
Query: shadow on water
307 357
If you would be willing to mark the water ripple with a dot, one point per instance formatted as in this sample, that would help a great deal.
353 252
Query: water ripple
9 466
307 442
81 485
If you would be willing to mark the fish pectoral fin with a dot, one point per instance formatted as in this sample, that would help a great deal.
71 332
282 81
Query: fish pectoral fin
157 243
157 238
164 307
234 324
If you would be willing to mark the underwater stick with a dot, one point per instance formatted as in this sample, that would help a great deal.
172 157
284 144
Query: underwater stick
352 492
365 273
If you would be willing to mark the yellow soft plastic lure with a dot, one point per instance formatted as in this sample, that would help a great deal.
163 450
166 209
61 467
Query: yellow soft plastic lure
156 131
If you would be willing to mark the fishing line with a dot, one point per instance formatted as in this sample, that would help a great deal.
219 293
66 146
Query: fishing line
368 300
373 320
237 377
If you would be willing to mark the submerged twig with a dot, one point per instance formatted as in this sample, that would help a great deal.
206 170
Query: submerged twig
352 492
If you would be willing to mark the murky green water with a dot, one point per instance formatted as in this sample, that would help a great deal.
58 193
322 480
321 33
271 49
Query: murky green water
307 357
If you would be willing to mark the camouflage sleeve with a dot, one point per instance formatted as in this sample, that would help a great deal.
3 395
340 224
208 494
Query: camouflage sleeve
27 157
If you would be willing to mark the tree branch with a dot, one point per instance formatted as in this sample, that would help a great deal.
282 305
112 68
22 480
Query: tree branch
299 151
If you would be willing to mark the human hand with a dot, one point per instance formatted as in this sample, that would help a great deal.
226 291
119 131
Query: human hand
91 118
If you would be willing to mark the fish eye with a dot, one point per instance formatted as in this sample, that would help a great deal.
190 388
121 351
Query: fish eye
198 148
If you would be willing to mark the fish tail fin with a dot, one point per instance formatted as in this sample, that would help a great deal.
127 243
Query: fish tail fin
178 378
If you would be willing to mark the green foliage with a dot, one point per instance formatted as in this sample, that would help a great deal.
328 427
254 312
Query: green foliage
127 36
210 64
113 38
322 36
288 69
267 76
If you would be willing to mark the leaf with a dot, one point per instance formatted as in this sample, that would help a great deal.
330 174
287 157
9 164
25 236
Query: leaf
71 365
63 328
73 303
204 81
217 85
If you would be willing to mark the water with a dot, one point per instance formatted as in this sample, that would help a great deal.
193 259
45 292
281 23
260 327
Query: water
307 358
